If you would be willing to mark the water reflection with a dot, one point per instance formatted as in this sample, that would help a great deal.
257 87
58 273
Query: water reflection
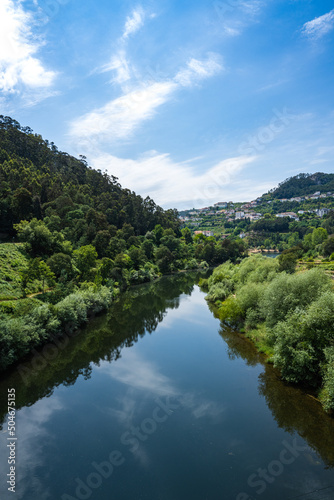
293 409
219 429
138 311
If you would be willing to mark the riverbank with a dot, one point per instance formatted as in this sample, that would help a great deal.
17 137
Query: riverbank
22 333
288 317
34 324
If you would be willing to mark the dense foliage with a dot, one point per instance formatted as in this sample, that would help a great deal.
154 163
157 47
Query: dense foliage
289 315
38 181
77 227
303 184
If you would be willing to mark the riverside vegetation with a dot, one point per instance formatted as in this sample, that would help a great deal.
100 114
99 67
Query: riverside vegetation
80 239
288 314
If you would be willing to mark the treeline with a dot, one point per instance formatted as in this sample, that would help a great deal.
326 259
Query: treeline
288 315
119 258
37 181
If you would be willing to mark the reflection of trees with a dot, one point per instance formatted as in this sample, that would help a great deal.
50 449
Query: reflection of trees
239 346
137 311
293 410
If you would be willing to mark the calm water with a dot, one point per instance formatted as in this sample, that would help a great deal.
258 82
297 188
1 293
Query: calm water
157 401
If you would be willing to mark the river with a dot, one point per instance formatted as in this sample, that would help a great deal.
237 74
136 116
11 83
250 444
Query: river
156 400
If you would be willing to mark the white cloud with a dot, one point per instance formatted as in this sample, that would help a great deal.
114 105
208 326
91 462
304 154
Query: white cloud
198 70
18 62
320 26
120 117
179 184
120 65
134 22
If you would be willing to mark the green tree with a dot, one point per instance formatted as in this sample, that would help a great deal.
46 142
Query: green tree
164 259
105 269
37 270
186 234
22 204
301 340
123 261
286 293
319 235
158 233
101 243
328 246
137 256
60 263
85 259
148 248
38 238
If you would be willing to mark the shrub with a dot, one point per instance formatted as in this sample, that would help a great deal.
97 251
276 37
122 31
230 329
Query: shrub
219 291
19 335
301 341
203 284
250 295
230 311
257 269
287 292
327 393
225 271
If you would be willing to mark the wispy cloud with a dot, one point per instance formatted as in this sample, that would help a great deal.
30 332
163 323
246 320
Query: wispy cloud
134 22
19 64
320 26
120 117
199 70
235 15
120 65
158 176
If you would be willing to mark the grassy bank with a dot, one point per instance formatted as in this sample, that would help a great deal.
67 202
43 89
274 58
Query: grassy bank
288 316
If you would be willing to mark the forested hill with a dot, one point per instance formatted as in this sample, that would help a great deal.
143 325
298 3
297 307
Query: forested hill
37 181
303 185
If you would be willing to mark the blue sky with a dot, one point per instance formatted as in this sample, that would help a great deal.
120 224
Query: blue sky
189 103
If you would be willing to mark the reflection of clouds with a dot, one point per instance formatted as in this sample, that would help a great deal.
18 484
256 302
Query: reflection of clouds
137 373
201 407
142 457
126 412
191 309
32 438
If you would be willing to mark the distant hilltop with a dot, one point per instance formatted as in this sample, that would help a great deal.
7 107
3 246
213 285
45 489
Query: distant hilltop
299 188
303 185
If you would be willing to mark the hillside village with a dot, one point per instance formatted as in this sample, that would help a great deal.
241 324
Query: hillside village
315 205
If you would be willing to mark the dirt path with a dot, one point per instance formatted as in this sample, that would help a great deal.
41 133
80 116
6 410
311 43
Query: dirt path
32 295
